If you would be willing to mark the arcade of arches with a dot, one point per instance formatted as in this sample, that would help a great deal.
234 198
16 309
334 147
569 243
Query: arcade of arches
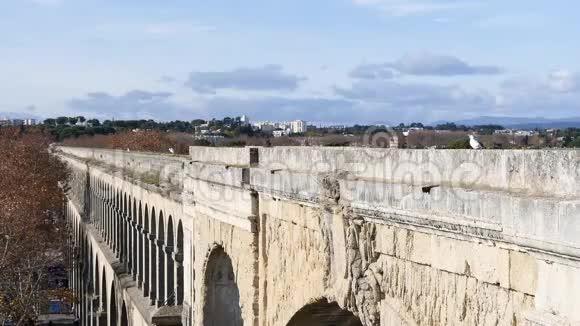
273 237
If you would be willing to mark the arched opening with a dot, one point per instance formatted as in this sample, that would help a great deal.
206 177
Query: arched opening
135 246
170 297
89 272
222 295
127 235
153 255
103 308
129 243
113 312
139 239
88 275
124 316
97 297
118 228
324 313
146 252
108 226
161 261
179 261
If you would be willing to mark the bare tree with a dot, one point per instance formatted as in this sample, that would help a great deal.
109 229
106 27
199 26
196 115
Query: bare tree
32 229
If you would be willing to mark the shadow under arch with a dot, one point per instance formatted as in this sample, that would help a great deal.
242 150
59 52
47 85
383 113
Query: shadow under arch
113 309
124 316
324 313
179 261
103 305
222 295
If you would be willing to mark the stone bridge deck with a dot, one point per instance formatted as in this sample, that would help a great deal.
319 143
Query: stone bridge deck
326 236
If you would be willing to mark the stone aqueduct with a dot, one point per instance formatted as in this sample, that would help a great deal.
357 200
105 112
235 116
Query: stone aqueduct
325 236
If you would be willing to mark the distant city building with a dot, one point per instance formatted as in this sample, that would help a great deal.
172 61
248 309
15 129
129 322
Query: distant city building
285 128
298 126
244 120
514 132
280 133
268 128
30 122
265 126
526 133
213 139
5 122
17 122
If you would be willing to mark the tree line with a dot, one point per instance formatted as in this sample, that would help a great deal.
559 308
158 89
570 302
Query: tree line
32 226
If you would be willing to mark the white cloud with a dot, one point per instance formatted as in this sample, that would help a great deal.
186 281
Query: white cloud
415 7
554 95
268 77
423 64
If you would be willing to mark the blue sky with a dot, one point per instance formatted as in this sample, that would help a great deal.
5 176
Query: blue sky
340 61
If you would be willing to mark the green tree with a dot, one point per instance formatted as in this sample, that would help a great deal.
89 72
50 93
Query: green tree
61 121
94 122
50 122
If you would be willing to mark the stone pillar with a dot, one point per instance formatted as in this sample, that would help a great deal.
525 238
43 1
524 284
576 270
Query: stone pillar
179 278
136 259
116 232
153 269
110 227
102 318
128 243
144 275
93 314
161 290
169 276
123 242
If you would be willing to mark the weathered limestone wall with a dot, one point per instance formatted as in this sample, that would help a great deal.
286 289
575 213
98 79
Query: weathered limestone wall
240 246
135 197
397 237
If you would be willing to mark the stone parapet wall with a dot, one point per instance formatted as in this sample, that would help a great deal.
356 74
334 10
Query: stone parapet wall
398 237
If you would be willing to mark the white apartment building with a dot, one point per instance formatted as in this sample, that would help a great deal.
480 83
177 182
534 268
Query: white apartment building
298 126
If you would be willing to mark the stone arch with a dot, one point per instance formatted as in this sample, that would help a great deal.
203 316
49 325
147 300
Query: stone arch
161 261
135 244
100 302
118 224
108 224
124 316
124 196
89 270
113 309
324 313
96 277
222 295
179 262
103 292
96 299
140 240
124 214
129 240
87 279
170 275
146 252
153 255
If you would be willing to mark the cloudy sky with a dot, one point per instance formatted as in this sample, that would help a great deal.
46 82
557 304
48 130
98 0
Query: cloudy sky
340 61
